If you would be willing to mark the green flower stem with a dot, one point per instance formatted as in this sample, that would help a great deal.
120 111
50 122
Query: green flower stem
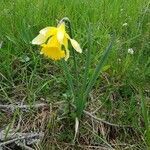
68 77
66 20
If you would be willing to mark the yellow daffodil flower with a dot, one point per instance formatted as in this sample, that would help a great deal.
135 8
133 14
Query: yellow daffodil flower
53 39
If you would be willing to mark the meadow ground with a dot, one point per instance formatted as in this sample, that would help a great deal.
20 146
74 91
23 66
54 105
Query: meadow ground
121 95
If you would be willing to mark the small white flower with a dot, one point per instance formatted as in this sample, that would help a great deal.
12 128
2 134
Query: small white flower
119 60
130 51
125 24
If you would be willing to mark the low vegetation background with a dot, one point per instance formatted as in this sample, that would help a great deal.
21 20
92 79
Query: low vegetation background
121 95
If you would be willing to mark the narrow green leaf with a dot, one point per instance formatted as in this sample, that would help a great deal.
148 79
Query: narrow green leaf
88 56
80 102
98 68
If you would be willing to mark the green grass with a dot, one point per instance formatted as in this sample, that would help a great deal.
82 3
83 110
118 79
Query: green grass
121 91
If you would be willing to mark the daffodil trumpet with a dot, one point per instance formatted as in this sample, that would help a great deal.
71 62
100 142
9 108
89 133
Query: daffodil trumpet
54 42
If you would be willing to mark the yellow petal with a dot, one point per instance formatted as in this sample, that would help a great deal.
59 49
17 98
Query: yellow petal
40 39
76 45
61 32
48 31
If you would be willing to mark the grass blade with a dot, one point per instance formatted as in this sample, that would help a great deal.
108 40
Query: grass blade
145 113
